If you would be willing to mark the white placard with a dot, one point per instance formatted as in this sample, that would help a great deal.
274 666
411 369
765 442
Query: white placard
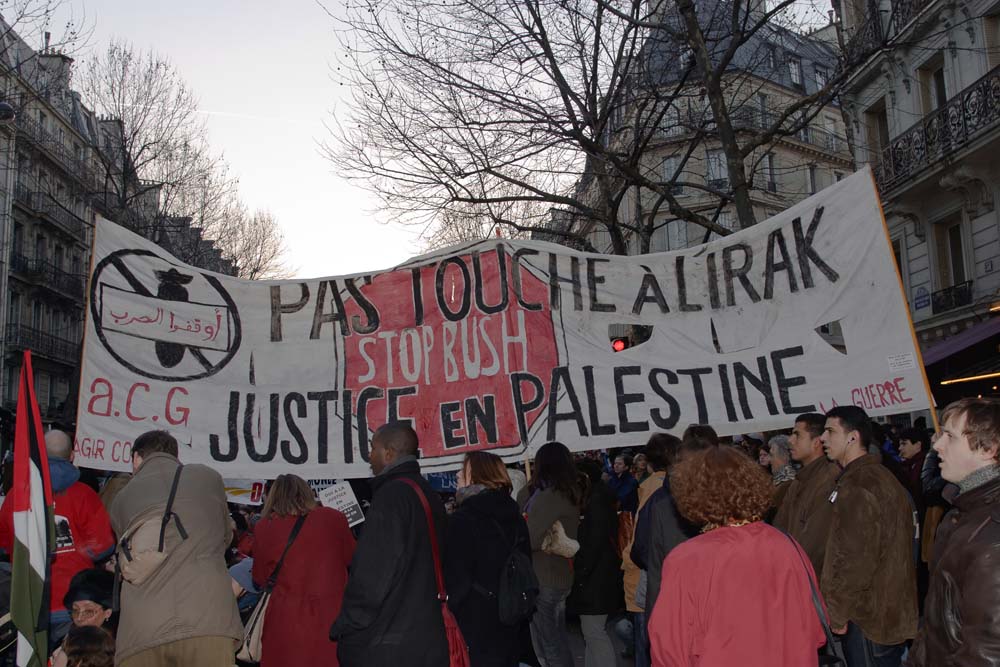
341 498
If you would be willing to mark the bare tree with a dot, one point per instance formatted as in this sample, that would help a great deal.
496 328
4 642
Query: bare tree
156 148
474 105
255 245
165 179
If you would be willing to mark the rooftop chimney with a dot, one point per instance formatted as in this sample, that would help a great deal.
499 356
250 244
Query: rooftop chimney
48 40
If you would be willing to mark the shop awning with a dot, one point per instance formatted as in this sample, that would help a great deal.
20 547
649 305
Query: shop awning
982 370
974 334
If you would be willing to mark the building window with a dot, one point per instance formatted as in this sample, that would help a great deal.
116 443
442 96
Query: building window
728 220
12 380
795 70
770 180
838 175
671 123
670 175
813 183
877 130
822 78
717 173
762 107
18 240
42 390
14 309
676 231
933 91
951 256
991 33
772 58
36 315
40 247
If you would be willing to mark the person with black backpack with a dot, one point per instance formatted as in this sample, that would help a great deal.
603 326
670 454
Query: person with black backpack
488 572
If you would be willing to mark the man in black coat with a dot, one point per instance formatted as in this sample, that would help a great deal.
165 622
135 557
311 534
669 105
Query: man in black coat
390 615
660 527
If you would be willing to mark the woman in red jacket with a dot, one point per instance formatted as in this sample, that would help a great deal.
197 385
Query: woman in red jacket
306 599
725 591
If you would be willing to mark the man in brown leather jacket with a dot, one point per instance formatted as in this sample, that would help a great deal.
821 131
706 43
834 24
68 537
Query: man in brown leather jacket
962 613
869 575
807 511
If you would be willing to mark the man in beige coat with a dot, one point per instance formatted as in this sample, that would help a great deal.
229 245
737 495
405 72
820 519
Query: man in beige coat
185 612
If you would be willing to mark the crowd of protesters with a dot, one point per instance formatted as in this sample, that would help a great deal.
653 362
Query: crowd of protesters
839 538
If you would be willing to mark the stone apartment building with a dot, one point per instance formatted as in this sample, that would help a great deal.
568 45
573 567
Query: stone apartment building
54 184
925 114
770 71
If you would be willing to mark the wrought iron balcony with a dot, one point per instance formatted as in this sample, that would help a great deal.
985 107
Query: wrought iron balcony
73 165
751 118
48 205
49 275
951 298
866 39
965 117
40 342
877 29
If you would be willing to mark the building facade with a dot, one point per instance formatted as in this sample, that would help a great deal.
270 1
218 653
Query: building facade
54 185
774 69
924 113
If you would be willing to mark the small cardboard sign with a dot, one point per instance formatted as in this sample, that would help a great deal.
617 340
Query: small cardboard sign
244 491
341 498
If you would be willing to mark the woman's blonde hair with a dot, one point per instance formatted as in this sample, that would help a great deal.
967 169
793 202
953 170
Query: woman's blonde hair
289 495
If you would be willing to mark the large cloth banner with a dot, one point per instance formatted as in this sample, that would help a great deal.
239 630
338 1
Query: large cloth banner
498 345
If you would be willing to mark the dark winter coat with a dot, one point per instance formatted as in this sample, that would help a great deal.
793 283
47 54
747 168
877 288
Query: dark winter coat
597 586
626 490
659 529
806 512
481 535
869 574
961 625
390 615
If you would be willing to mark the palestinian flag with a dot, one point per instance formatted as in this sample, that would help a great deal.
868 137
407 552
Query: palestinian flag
34 530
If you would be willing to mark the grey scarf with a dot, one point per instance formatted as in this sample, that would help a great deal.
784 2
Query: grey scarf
978 478
467 492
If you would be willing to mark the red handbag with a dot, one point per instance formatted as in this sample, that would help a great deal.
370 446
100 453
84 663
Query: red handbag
458 650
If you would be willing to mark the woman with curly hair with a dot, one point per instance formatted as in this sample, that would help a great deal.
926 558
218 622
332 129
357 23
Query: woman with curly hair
726 590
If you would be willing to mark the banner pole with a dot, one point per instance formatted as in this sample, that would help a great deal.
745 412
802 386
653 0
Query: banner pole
86 318
909 315
527 467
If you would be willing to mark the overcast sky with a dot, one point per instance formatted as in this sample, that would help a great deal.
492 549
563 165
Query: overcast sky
261 71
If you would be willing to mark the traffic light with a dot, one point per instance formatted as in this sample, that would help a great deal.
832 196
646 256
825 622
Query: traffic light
619 344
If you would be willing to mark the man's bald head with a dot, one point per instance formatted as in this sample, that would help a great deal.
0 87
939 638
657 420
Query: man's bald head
58 445
399 437
393 440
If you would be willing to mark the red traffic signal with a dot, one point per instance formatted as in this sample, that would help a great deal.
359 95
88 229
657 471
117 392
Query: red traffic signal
619 344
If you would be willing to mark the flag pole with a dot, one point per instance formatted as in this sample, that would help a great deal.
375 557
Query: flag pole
909 317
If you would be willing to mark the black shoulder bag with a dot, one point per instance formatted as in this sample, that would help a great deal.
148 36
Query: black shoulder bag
827 654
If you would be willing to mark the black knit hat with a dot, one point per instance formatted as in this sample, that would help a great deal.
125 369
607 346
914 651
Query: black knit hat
95 585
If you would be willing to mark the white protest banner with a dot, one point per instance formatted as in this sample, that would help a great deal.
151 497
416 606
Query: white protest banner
341 498
500 345
244 491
